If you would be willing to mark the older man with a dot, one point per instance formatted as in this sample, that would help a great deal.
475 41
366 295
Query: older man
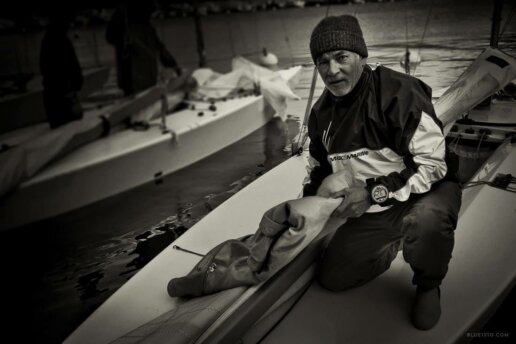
381 127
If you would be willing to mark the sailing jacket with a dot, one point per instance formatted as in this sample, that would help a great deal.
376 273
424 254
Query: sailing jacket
385 128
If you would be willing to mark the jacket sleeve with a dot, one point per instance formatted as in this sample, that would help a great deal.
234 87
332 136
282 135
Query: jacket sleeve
419 139
319 167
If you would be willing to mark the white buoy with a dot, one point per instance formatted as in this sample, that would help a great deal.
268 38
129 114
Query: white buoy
413 58
268 59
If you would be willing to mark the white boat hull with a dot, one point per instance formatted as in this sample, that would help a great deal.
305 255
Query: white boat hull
130 158
124 311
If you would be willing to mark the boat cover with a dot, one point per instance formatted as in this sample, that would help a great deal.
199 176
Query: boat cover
244 76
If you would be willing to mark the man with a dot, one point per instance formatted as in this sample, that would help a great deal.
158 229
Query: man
61 71
137 47
380 126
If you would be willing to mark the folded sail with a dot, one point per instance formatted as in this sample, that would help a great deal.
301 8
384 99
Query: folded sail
490 72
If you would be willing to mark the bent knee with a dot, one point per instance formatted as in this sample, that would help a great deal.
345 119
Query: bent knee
338 278
431 220
336 282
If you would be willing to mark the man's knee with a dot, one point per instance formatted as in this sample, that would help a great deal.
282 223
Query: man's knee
429 222
336 280
338 277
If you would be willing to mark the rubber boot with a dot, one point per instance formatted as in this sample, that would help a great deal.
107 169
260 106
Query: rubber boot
426 309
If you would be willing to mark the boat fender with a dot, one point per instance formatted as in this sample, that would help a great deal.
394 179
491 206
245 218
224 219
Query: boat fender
106 126
268 59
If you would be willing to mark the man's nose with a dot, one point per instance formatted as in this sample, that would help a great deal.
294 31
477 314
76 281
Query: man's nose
334 67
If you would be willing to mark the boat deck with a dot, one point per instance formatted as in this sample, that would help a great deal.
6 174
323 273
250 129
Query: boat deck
478 279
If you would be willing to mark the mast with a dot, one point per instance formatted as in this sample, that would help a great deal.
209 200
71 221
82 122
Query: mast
495 23
198 33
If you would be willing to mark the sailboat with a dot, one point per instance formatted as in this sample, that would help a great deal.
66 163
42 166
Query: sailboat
30 103
290 306
33 172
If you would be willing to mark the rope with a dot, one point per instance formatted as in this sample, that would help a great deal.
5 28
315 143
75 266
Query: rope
424 31
303 133
407 53
479 144
509 19
175 247
287 40
256 28
228 27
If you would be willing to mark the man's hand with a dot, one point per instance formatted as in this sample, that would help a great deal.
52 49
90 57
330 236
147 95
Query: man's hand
356 201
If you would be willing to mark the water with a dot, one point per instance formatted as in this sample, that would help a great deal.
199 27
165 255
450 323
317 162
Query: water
58 271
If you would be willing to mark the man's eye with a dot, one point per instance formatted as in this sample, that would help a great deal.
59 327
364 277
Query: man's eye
341 58
322 62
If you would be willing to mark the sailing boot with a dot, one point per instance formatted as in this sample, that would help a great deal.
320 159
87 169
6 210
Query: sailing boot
426 309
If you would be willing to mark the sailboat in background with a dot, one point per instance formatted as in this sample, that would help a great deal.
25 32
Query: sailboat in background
48 173
290 307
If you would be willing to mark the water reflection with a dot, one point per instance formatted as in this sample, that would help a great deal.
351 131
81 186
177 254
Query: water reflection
88 285
124 255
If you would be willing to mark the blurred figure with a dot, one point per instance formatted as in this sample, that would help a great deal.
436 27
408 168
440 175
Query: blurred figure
61 71
137 47
276 141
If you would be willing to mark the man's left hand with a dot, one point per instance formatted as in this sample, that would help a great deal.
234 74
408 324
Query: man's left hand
356 201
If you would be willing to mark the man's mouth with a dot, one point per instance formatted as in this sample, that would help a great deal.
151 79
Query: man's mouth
336 82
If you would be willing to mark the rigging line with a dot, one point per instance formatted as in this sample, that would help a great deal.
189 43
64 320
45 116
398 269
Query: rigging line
509 19
230 33
407 53
457 142
256 28
356 10
175 247
424 32
303 133
406 27
479 143
289 46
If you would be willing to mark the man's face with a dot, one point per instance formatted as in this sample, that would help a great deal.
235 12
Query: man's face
340 70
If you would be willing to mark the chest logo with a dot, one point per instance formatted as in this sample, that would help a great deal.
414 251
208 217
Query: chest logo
348 156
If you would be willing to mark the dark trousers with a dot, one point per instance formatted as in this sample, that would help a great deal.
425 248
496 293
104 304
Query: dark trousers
62 108
364 247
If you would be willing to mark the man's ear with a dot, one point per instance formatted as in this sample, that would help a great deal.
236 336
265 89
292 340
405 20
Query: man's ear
363 61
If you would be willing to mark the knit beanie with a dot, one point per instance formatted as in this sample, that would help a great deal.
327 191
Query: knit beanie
337 33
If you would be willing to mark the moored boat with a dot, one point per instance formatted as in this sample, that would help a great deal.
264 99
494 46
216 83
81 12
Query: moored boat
99 169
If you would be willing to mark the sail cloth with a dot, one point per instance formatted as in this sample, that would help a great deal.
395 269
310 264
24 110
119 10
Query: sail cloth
489 73
244 76
284 231
221 277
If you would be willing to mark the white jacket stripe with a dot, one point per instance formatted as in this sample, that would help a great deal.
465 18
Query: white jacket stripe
428 149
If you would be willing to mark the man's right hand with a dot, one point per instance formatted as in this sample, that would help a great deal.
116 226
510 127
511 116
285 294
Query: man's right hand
355 202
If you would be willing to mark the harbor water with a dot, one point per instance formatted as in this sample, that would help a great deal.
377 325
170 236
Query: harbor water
57 271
